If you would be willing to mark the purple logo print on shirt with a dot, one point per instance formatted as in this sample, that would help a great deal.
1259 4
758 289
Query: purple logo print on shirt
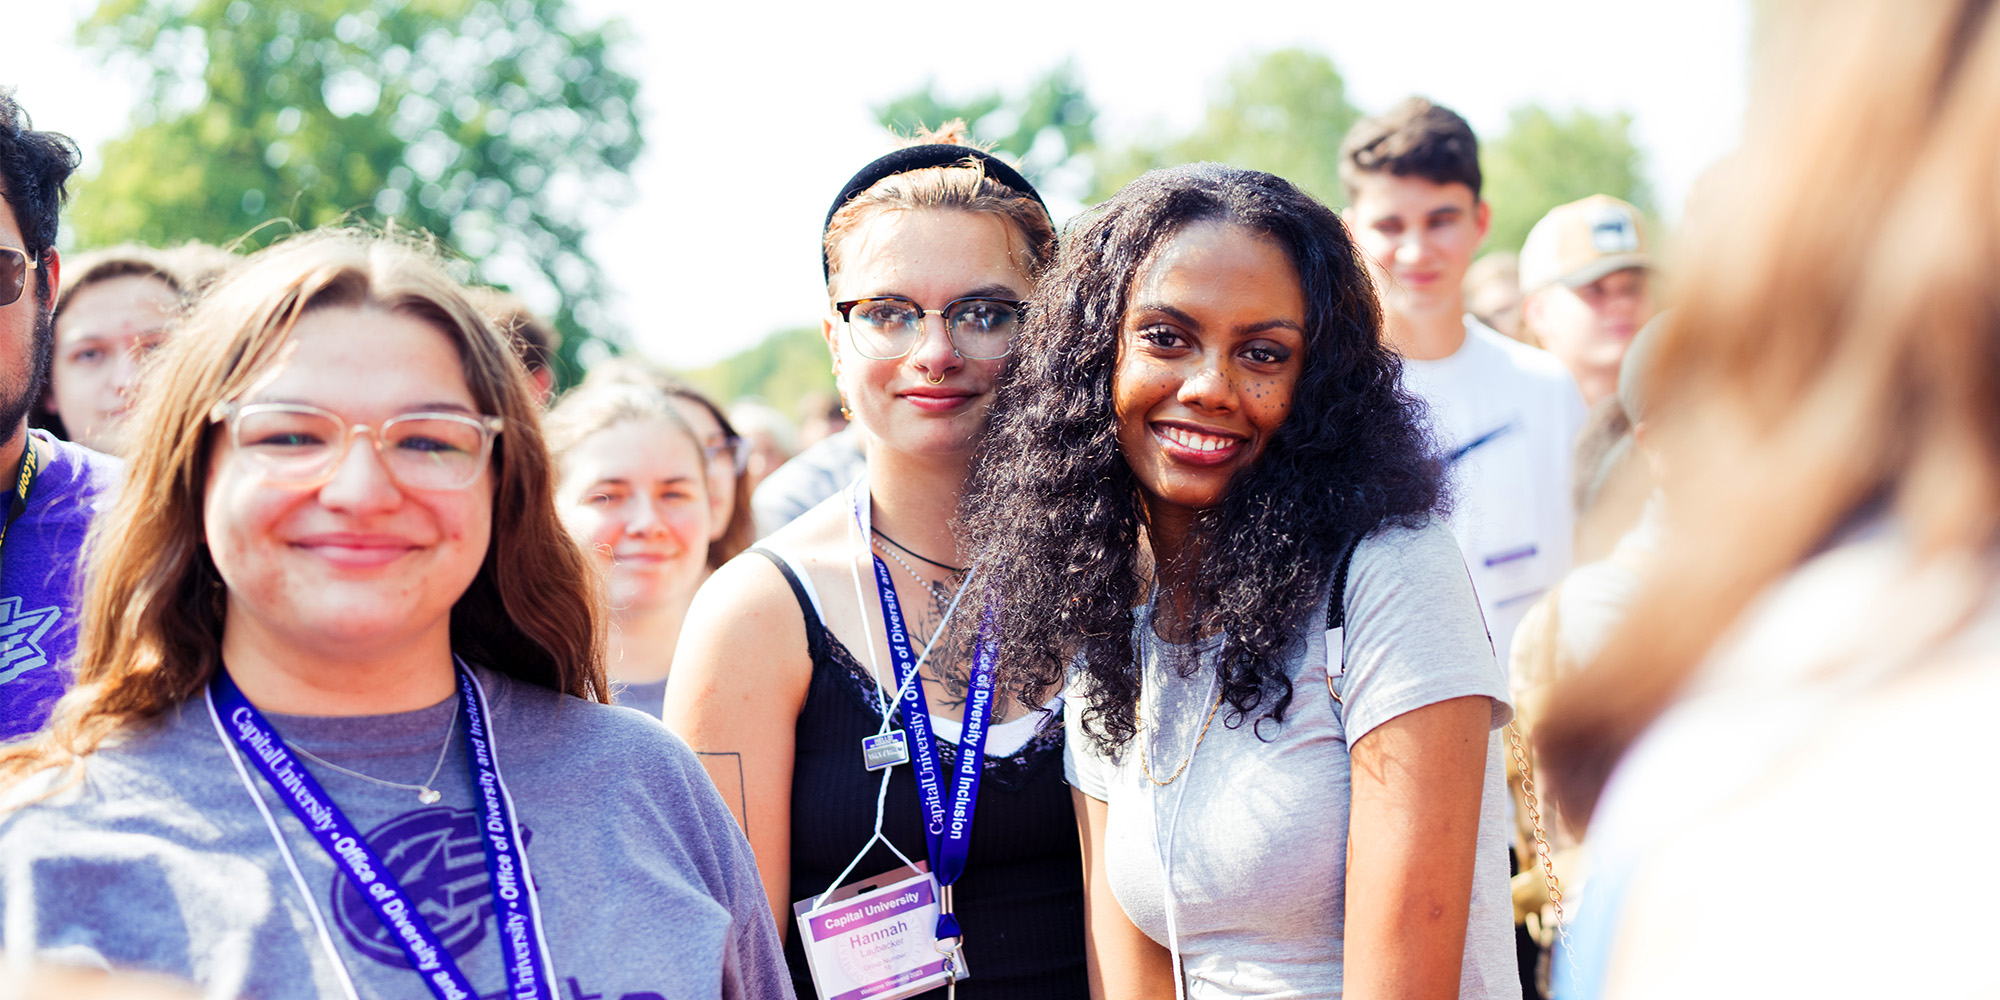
439 858
21 635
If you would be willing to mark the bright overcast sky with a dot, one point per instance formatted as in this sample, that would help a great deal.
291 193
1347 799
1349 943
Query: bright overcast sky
755 113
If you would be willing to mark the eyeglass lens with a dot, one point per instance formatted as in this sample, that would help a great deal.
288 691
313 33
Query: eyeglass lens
732 453
434 453
979 328
13 274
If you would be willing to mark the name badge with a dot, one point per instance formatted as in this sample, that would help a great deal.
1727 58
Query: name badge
877 939
884 750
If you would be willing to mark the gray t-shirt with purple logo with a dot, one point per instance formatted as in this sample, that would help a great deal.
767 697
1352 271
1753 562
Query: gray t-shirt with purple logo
160 860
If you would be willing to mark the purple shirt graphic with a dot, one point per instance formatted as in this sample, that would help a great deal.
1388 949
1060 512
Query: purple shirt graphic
40 580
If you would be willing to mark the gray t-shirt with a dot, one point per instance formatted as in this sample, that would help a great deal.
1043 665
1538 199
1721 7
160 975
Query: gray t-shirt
649 697
161 862
1259 848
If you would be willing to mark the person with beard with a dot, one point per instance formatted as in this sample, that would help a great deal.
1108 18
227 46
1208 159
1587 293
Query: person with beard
52 487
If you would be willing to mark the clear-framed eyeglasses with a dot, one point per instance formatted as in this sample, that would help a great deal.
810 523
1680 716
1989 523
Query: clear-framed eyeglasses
889 327
732 452
303 445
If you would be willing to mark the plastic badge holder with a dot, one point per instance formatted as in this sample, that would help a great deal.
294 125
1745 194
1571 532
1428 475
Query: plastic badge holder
877 939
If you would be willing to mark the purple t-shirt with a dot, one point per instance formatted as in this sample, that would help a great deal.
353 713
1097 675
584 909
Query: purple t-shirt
39 579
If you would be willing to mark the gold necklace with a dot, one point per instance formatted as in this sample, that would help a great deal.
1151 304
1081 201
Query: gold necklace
1147 768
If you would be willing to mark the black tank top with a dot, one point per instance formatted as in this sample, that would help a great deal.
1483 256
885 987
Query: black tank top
1020 899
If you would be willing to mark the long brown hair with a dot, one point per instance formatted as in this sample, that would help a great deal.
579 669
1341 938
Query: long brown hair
1837 350
153 608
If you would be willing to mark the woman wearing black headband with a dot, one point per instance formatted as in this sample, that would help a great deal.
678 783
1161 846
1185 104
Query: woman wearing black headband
791 661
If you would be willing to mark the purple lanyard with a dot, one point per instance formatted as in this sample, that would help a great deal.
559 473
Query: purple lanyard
513 904
947 829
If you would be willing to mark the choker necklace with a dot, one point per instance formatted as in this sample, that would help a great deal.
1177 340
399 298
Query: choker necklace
425 793
943 566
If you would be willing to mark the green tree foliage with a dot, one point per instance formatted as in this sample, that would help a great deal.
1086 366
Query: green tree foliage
498 125
1284 112
785 366
1047 128
1544 160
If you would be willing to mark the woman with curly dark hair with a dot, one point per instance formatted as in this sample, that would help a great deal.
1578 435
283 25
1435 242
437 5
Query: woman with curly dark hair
1200 469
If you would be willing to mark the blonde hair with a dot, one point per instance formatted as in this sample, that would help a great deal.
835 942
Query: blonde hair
152 615
961 187
1835 350
592 409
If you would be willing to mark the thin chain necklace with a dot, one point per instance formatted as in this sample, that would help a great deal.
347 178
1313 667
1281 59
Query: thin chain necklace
933 587
425 793
1144 751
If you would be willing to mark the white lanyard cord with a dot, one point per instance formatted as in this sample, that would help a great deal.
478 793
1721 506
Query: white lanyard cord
856 491
1173 827
284 850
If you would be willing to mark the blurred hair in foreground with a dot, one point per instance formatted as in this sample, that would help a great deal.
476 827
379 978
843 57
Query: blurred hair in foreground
1836 351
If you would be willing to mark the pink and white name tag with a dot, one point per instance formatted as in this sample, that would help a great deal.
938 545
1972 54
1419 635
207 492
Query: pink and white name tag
877 939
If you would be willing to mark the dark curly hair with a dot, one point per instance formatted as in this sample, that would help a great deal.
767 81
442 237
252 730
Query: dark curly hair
34 166
1053 510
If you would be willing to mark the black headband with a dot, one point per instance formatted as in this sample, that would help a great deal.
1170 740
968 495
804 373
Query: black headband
910 158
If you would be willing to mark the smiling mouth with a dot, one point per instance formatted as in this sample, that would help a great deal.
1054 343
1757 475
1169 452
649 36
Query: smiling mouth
938 401
1195 447
356 554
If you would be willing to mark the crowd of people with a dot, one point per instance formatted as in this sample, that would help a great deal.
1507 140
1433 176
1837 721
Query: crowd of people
1217 596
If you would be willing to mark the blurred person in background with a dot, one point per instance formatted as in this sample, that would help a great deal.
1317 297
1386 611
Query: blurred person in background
1800 704
1586 272
533 337
820 417
786 665
1505 413
1493 294
820 471
1621 521
51 488
633 489
116 308
833 454
332 625
770 436
731 529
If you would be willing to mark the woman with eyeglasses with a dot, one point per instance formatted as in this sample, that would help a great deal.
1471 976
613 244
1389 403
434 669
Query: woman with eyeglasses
633 489
1206 497
828 680
336 730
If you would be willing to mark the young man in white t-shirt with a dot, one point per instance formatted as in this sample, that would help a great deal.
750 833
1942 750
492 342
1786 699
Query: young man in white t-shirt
1506 414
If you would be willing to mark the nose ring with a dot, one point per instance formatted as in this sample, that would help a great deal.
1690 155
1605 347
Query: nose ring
934 381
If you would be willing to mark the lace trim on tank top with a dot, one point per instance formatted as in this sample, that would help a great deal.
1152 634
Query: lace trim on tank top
854 682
